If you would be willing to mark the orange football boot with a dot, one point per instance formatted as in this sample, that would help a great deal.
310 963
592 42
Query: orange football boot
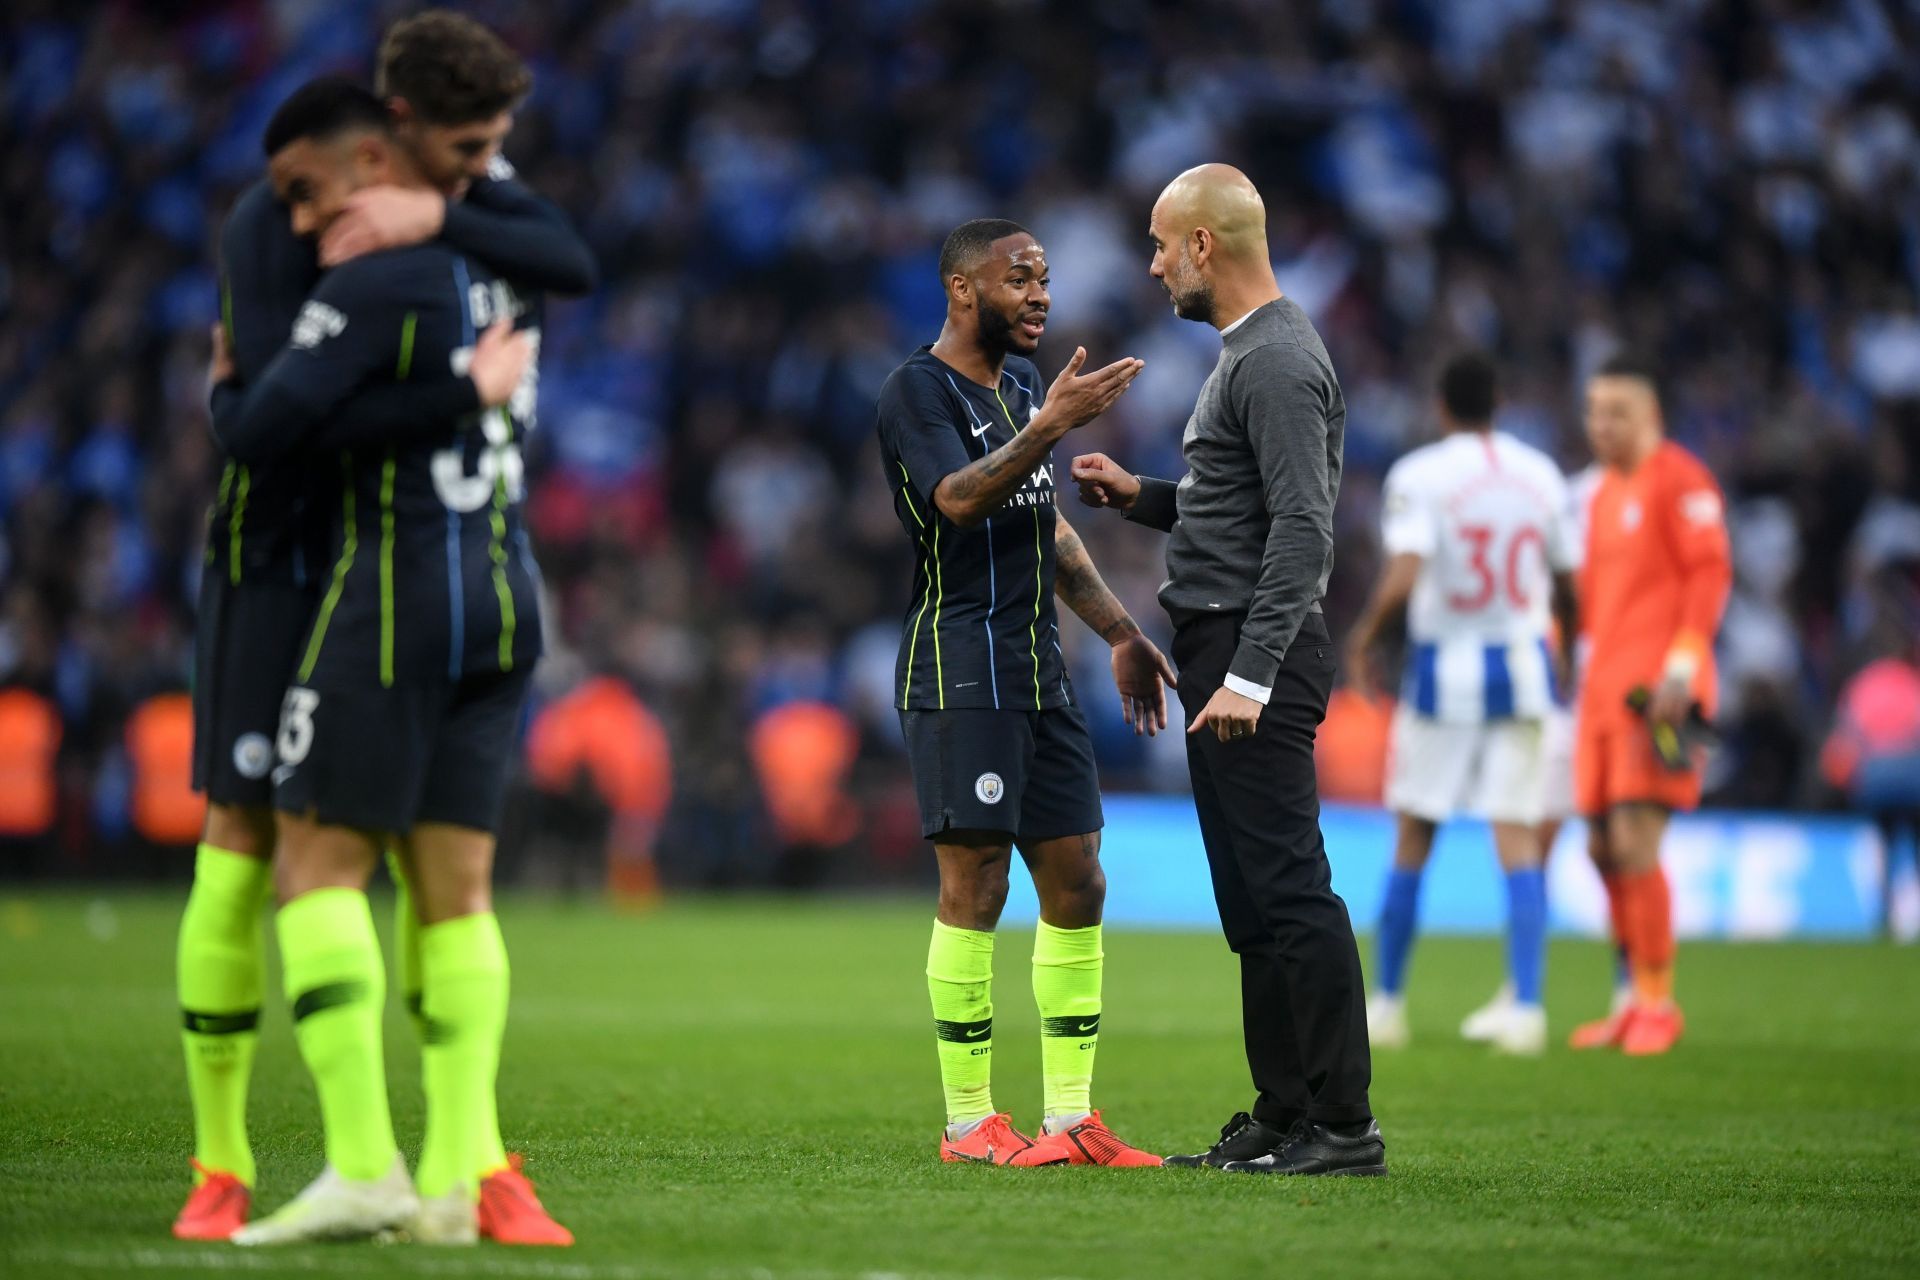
1603 1033
216 1209
993 1141
510 1212
1089 1142
1655 1029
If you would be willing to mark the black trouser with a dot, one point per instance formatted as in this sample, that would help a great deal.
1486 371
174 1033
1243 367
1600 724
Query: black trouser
1301 995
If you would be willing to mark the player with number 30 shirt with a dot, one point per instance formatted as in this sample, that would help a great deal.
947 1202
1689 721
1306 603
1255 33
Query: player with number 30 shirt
1481 540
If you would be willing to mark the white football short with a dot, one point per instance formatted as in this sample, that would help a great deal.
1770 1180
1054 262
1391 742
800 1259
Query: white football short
1495 770
1558 803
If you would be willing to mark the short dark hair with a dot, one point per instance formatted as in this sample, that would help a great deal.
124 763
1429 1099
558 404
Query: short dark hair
968 243
450 69
1469 387
323 109
1630 364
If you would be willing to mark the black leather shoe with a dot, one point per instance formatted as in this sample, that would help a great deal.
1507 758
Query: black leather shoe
1321 1150
1241 1138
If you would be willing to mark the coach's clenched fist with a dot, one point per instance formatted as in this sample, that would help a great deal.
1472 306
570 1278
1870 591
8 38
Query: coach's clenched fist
1104 482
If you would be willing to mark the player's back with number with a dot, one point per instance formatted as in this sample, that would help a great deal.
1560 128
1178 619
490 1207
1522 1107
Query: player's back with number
403 706
1491 520
430 570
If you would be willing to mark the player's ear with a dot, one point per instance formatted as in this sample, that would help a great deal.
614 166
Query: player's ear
370 153
1202 241
960 288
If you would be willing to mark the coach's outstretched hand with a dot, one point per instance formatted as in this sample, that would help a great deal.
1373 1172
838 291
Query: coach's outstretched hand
1104 482
500 361
1075 400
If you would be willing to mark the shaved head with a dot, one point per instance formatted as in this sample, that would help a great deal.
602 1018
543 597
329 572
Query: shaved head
1221 199
1209 231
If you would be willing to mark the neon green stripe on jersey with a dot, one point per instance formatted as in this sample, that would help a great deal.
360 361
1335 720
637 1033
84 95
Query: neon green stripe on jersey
1039 587
220 503
226 311
349 543
236 520
906 491
1033 641
386 571
939 600
913 645
405 363
497 552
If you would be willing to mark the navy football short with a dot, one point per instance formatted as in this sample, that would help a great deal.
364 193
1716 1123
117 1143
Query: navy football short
246 642
1029 774
354 753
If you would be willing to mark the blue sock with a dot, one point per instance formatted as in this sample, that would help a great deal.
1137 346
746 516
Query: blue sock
1398 916
1526 932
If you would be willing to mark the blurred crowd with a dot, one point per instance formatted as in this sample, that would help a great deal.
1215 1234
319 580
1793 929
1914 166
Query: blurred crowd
1732 187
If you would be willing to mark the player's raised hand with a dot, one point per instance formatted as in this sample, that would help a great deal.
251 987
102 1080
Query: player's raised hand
1143 675
382 217
1104 482
1077 399
500 360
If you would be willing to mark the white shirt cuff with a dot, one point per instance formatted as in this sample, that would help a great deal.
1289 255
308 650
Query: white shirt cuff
1248 689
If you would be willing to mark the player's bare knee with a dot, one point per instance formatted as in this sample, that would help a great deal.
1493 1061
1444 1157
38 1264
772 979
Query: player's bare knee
240 829
1069 880
450 871
1413 843
1600 846
309 856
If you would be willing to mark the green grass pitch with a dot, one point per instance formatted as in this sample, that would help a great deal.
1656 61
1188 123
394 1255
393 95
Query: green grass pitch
748 1089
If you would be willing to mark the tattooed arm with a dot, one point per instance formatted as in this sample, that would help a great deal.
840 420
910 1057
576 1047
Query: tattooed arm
982 487
1141 672
968 496
1081 588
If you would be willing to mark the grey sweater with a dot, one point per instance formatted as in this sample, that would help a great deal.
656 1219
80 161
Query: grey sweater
1252 522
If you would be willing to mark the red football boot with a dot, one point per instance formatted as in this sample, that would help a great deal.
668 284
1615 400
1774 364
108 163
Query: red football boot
216 1209
510 1212
1089 1142
993 1141
1603 1033
1655 1029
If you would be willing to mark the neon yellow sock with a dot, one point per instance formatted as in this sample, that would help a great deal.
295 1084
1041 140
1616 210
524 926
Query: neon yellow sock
1066 985
337 986
219 974
960 980
464 968
406 944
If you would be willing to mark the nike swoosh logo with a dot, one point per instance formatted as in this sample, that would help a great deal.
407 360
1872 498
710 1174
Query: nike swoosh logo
975 1035
981 429
1088 1026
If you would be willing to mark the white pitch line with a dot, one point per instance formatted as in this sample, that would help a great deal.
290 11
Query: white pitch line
341 1260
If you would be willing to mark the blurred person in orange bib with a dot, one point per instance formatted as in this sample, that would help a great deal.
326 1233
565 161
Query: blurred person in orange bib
167 811
1654 585
1873 754
599 760
30 735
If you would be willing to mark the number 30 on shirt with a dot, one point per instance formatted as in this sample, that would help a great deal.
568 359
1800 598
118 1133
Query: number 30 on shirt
1483 556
